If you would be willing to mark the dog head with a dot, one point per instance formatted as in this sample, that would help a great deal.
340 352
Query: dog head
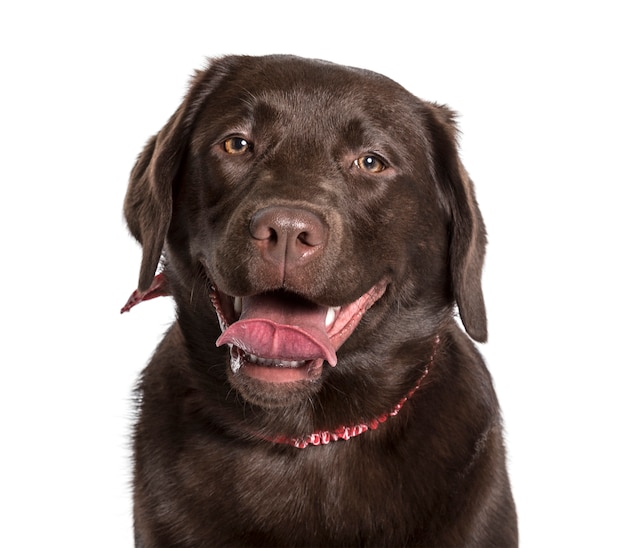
306 202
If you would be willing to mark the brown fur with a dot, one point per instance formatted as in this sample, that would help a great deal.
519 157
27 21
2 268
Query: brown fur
435 474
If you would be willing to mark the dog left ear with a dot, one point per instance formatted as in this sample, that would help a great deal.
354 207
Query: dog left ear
468 237
148 202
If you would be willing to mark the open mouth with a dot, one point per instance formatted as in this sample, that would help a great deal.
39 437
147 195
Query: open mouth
281 337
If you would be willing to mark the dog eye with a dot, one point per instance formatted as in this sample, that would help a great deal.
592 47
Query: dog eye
237 145
370 163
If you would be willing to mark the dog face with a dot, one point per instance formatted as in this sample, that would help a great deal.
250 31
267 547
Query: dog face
313 210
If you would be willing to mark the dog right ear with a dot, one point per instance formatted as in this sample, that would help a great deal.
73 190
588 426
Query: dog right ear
468 237
148 202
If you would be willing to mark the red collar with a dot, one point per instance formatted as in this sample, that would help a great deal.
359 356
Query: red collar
160 288
323 437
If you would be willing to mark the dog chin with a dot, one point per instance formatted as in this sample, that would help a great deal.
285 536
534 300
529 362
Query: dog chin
273 387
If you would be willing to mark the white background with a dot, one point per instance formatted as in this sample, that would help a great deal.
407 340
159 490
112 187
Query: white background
540 88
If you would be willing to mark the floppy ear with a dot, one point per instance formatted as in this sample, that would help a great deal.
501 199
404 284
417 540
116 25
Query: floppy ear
148 202
468 238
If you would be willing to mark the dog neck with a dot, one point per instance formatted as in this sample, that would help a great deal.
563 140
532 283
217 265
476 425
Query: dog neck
324 437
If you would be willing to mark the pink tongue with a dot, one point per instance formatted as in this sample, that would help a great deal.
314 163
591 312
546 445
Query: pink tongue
281 327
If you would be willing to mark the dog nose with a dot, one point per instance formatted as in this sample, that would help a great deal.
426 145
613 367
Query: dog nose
287 236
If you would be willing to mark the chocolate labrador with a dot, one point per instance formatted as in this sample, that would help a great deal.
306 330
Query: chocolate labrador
318 233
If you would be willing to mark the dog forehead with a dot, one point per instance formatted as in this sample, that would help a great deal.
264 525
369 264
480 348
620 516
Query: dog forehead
292 92
265 74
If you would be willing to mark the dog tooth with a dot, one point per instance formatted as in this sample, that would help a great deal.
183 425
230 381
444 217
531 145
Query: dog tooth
237 304
331 315
235 363
269 362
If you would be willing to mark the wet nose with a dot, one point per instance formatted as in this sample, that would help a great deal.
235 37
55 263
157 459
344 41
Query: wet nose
287 236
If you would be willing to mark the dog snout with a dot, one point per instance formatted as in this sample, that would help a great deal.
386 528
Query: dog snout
287 236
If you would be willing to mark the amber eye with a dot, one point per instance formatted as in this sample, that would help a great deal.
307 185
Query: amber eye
237 145
370 163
